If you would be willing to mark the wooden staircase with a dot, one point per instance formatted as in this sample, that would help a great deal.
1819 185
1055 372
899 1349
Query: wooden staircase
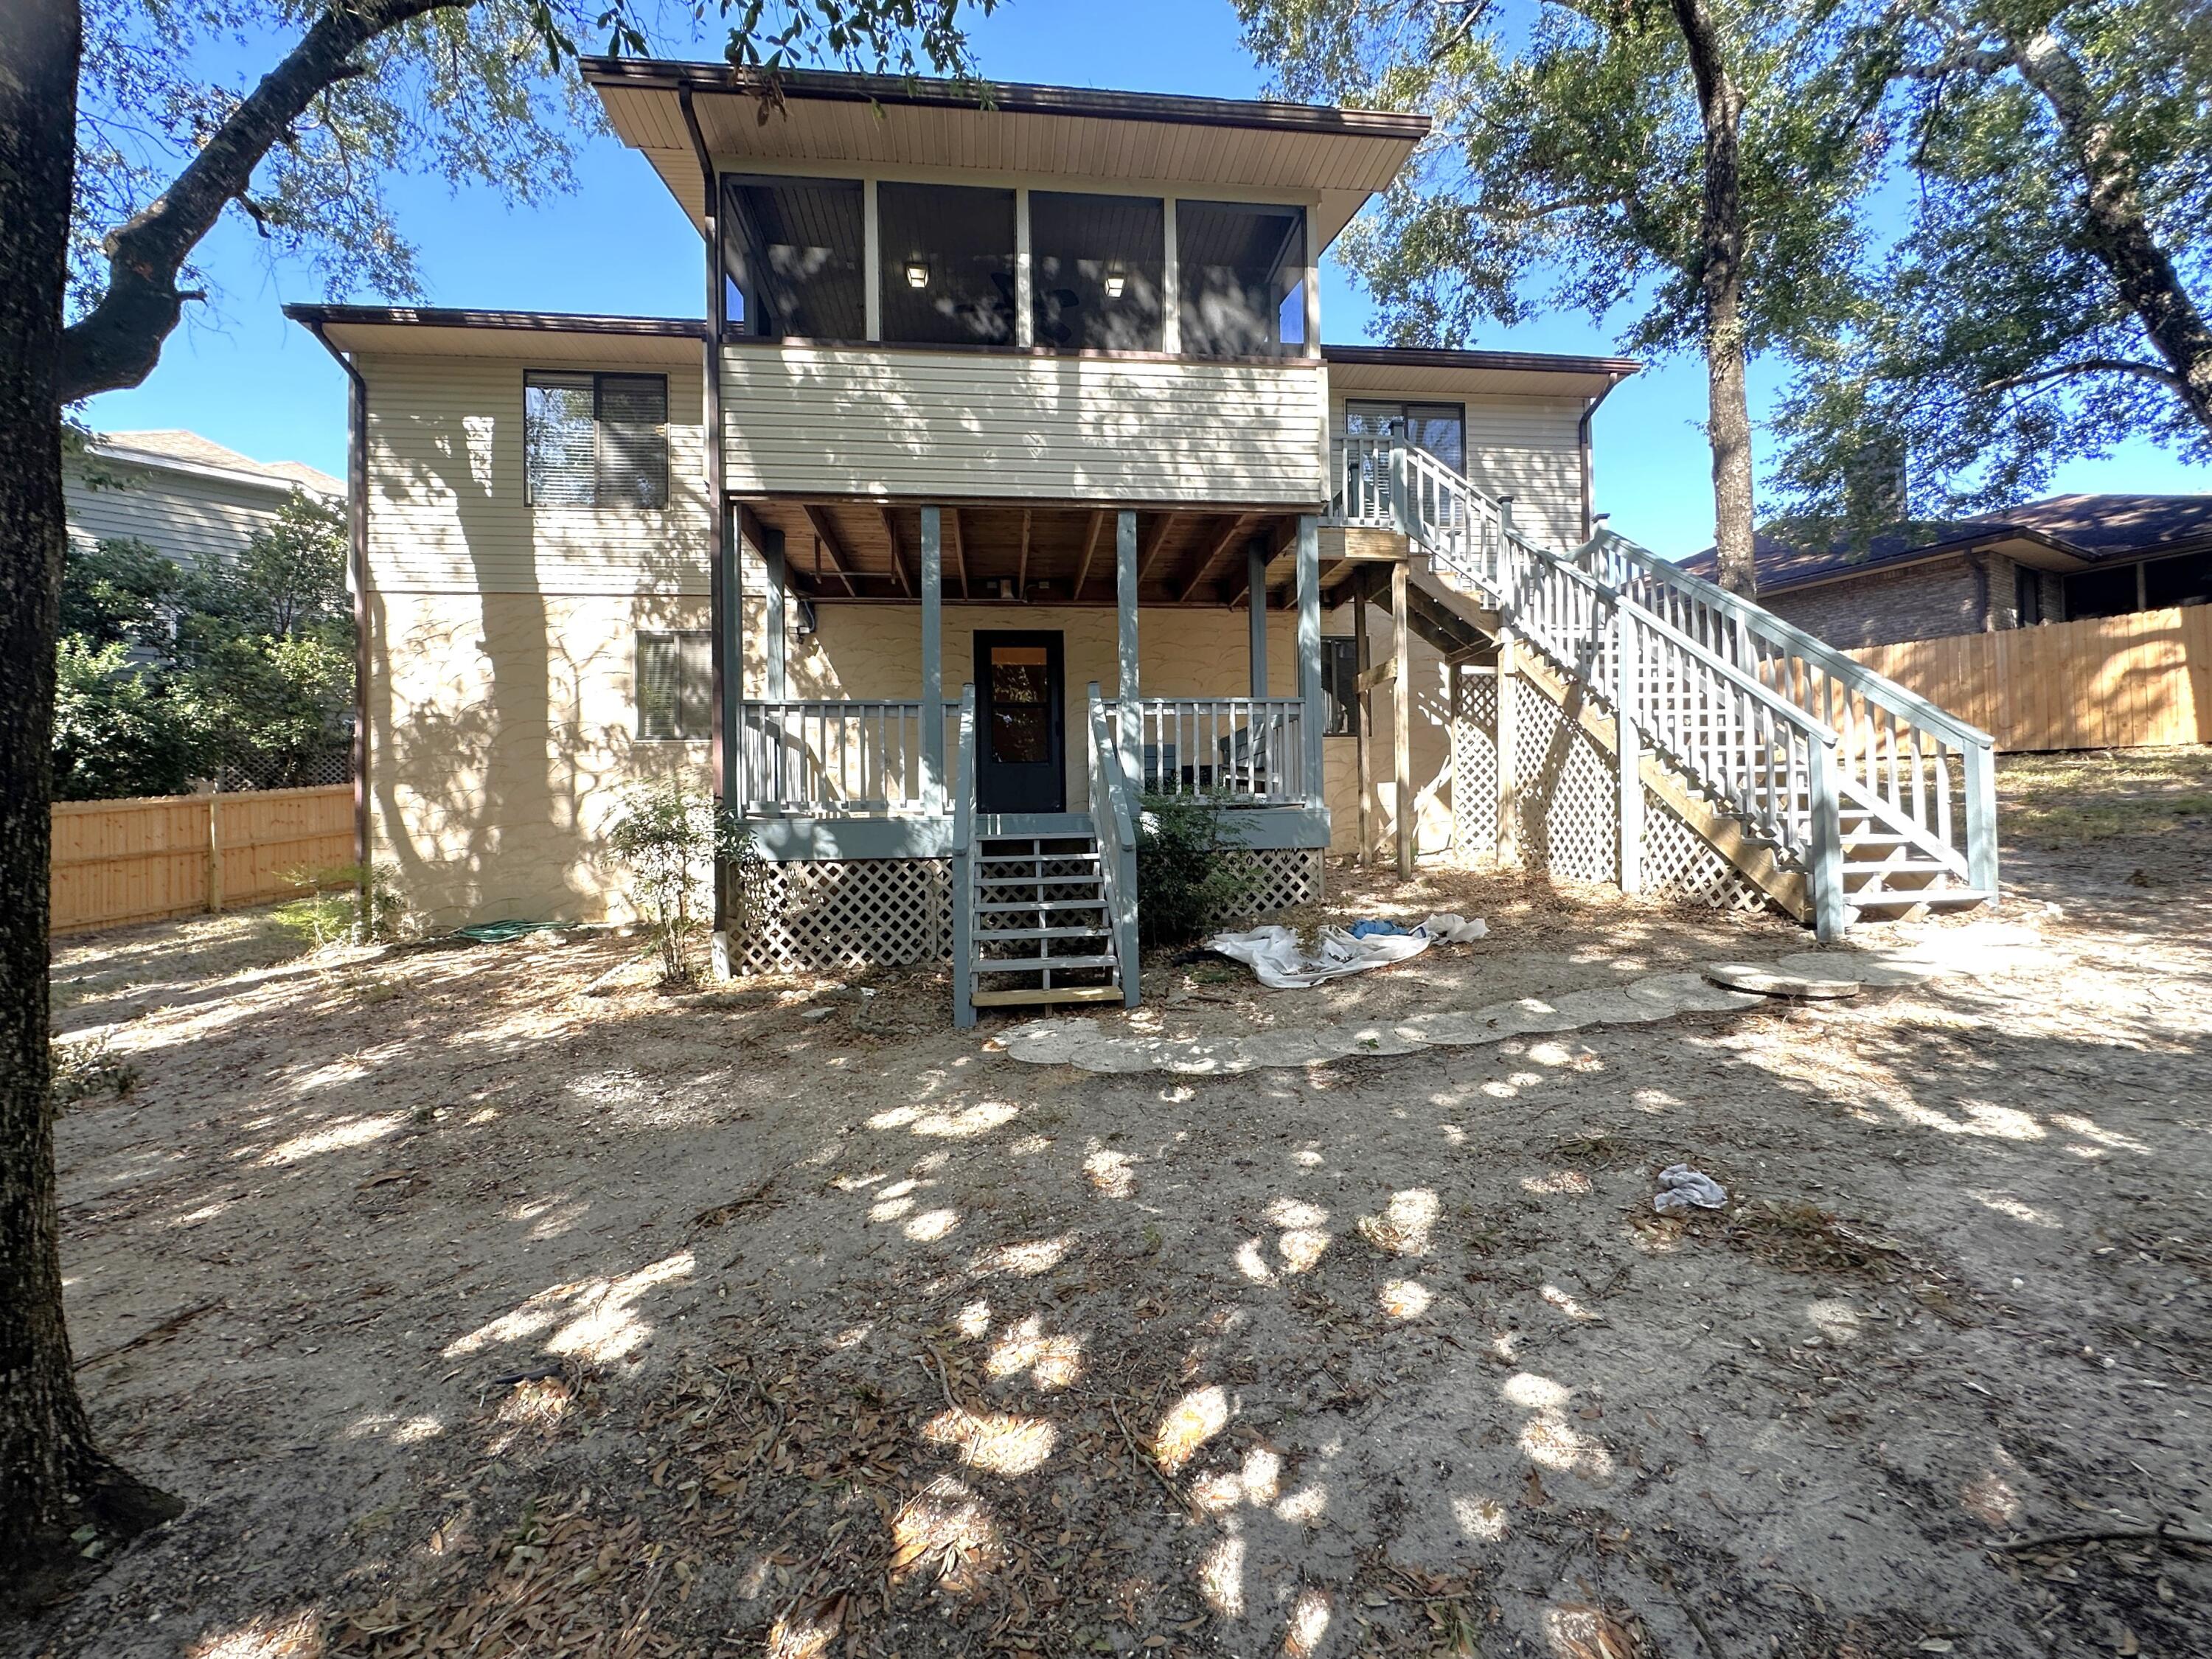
1041 930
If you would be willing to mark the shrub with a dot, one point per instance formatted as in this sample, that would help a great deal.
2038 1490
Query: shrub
1184 883
335 912
82 1070
670 837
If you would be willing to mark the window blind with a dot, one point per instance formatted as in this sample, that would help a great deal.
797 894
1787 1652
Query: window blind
558 440
633 451
596 440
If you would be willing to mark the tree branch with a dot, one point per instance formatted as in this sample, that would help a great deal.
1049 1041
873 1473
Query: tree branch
118 342
2163 376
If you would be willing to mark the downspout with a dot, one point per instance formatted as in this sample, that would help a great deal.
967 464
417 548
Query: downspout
1582 442
720 601
357 558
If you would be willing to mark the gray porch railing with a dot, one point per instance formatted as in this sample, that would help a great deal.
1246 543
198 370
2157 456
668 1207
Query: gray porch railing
964 854
1114 824
824 756
1250 749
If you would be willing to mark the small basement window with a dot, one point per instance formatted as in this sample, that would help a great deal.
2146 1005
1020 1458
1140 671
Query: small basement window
595 440
676 686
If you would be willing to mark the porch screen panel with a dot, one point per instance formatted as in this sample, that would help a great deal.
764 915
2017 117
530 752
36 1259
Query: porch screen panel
633 440
948 263
1100 266
1238 267
793 249
559 439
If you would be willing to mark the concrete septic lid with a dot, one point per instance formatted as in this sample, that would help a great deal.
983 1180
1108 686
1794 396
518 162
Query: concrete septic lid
1765 981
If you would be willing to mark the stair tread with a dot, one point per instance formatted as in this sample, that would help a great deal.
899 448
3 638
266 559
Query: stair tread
1034 905
1037 964
999 935
1057 993
1090 880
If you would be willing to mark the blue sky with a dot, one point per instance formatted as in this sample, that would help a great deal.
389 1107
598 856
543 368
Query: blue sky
244 377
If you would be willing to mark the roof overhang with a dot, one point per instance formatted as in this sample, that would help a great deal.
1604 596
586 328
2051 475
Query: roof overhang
1334 157
1419 371
421 331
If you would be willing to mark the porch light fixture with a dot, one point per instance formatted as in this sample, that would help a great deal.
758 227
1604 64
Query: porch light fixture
1116 280
917 273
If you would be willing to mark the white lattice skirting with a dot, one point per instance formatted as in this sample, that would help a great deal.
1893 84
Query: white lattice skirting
1283 878
1569 803
830 915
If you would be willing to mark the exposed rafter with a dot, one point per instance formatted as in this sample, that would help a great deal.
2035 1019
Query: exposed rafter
1022 570
1286 533
959 550
1229 537
898 555
826 538
1089 547
1149 552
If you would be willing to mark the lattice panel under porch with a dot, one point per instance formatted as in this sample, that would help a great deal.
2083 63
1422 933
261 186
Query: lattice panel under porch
1287 877
1474 762
1569 820
1680 861
830 914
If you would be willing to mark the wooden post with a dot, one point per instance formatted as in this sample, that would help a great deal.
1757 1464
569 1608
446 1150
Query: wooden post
778 626
1364 660
1508 733
1126 692
1401 717
1628 752
1979 766
1310 653
1256 585
872 260
1024 277
932 665
1170 282
1311 283
730 660
214 851
1825 854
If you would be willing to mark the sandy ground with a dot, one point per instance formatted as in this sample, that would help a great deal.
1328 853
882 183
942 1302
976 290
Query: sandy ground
474 1314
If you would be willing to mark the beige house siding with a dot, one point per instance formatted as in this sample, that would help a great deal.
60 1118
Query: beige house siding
884 420
1529 448
191 520
503 733
448 511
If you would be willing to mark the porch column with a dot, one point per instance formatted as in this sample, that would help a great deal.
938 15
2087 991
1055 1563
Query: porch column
1309 652
933 663
1364 715
1124 607
1256 585
778 624
1401 718
730 658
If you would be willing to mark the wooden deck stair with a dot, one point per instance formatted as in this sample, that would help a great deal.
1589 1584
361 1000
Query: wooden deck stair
1041 931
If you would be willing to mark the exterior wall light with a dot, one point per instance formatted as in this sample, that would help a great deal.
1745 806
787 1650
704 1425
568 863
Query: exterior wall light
917 273
1116 280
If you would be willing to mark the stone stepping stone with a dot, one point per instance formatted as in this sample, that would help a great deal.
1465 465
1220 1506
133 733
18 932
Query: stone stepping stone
1868 967
1769 982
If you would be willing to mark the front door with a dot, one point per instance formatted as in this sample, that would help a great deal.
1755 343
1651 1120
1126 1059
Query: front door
1020 741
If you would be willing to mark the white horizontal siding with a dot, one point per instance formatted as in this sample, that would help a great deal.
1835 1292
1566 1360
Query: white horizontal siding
1528 448
447 507
882 421
190 519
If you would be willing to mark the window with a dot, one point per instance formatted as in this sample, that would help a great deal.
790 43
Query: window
2028 596
595 440
792 250
1099 265
1439 428
2103 592
676 686
2186 580
1340 683
948 263
1241 271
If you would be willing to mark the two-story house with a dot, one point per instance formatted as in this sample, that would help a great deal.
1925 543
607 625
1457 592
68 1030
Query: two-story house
1008 481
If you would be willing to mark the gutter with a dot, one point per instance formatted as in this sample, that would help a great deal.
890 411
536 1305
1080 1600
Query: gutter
723 597
357 559
1582 443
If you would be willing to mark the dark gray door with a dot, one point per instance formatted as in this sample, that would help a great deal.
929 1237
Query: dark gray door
1021 747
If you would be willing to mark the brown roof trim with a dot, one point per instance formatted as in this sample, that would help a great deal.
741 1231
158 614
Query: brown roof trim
1430 358
540 322
1017 98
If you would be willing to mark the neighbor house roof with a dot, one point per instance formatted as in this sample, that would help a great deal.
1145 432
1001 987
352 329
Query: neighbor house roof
819 117
176 450
2079 530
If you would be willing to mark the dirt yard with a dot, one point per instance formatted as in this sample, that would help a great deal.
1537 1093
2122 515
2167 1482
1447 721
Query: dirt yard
477 1311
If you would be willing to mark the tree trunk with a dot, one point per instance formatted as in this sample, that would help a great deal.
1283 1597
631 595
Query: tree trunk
2115 226
53 1480
1720 281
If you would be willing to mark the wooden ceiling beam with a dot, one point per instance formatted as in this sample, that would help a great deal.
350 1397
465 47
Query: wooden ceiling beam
1222 544
1089 547
1149 552
898 555
959 548
841 561
1022 568
1287 532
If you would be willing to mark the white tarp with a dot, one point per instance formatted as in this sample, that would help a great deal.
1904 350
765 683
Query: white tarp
1274 955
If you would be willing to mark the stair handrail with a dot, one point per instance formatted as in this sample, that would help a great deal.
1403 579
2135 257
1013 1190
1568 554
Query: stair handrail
963 854
1114 826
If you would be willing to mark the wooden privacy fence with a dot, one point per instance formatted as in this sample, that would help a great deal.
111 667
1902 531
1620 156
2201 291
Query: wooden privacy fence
2137 682
175 855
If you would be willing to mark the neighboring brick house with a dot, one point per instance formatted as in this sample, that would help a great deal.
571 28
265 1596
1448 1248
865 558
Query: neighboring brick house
2055 559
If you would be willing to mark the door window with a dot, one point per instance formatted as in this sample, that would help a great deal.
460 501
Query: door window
1021 705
